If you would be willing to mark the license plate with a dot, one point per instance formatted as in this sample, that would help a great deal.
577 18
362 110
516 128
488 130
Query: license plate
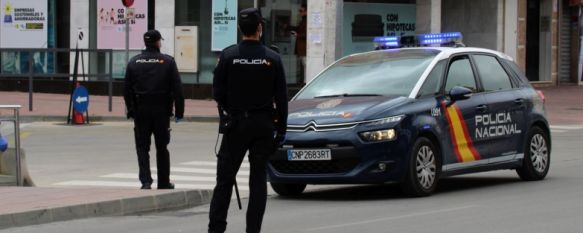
307 155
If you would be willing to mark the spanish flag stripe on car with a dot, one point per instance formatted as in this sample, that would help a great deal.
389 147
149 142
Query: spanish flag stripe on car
461 140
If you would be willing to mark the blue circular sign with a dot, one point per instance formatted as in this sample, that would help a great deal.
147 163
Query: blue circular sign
80 99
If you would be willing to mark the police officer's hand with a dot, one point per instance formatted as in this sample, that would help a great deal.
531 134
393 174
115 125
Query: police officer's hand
280 139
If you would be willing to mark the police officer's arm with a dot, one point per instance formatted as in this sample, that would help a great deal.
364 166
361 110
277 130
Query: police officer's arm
280 98
177 90
220 82
128 94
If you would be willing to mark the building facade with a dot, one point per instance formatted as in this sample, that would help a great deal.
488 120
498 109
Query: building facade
543 36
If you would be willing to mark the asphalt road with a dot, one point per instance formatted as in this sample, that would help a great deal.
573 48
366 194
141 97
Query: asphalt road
485 202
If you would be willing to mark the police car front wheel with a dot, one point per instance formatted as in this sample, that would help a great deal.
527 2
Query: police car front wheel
537 155
285 189
423 169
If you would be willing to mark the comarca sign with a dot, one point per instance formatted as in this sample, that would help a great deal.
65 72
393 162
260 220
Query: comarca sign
495 125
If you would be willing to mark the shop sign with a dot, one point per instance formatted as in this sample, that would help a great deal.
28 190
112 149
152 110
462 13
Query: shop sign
364 21
23 24
111 20
224 24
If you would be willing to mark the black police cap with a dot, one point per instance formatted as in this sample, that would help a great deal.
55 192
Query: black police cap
250 16
152 36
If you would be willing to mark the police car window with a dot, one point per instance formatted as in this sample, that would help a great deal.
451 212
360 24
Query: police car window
493 76
383 73
433 82
460 74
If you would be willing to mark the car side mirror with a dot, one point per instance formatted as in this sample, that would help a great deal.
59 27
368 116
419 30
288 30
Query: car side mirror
459 93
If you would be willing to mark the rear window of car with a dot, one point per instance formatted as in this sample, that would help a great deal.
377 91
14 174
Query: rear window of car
492 74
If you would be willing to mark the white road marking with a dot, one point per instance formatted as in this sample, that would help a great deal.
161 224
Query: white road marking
172 177
391 218
558 131
567 127
209 163
200 170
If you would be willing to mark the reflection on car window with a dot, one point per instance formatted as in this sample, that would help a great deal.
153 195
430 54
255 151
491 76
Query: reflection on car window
386 73
433 81
493 76
460 74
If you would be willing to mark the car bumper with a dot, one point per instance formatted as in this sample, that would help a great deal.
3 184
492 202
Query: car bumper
353 161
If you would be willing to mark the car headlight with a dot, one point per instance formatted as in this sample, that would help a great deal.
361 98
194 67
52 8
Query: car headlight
383 121
379 135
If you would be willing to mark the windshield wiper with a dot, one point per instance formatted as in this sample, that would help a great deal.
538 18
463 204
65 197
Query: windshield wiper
346 95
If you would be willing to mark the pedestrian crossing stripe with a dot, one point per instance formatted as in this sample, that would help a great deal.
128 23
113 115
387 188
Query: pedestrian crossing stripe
199 170
208 163
189 175
172 177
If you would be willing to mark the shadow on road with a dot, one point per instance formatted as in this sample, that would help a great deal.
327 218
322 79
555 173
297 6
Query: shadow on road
392 191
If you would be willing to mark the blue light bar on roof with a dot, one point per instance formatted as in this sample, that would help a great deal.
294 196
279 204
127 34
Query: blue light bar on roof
439 38
387 41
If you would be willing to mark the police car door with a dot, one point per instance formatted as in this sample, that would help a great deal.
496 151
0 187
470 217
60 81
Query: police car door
460 115
501 127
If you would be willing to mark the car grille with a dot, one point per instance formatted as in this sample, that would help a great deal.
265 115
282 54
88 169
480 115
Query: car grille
315 167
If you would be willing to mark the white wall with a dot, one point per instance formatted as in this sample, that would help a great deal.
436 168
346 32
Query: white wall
510 28
79 22
323 35
164 22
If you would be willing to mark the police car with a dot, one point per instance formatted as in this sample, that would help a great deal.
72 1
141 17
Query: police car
412 116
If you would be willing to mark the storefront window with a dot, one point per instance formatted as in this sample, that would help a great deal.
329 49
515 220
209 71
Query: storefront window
286 28
364 20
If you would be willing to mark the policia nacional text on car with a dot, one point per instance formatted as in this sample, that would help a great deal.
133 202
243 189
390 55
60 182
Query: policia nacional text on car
152 86
248 79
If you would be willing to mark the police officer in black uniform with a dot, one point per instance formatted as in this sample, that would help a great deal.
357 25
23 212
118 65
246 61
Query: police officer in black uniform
248 80
152 87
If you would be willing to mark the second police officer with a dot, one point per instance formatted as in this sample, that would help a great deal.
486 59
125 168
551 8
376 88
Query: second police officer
248 81
152 87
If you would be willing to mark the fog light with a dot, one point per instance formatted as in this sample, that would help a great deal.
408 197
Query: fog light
382 167
378 135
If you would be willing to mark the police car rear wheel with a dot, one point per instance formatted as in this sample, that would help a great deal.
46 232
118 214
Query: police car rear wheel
537 155
284 189
423 173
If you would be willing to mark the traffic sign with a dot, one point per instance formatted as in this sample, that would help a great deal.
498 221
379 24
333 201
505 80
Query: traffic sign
127 3
80 99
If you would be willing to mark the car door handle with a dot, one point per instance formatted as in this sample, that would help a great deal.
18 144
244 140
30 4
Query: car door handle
482 108
519 101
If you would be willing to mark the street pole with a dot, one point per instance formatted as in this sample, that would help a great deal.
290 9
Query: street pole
127 35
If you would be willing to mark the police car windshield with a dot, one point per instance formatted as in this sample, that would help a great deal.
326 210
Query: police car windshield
383 73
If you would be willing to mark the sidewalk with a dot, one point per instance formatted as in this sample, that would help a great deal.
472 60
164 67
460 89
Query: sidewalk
21 206
54 107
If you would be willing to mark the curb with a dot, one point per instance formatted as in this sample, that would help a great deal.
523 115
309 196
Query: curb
179 199
110 119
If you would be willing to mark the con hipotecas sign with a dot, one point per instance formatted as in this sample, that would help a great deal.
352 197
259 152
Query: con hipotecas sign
224 24
23 23
111 24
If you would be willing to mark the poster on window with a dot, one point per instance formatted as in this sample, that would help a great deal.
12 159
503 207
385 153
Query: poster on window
23 24
224 24
364 21
111 24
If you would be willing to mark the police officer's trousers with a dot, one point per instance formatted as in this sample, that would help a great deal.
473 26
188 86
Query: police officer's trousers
254 134
148 120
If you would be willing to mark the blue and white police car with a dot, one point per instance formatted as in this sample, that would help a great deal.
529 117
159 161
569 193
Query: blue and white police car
412 116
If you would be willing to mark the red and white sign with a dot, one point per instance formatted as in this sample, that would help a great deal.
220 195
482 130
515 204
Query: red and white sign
127 3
